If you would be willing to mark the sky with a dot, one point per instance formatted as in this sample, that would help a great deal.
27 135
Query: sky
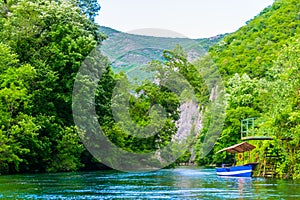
191 18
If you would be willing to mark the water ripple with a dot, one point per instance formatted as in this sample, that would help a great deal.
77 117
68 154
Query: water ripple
180 183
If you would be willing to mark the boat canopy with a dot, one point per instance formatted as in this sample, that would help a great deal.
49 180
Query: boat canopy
239 148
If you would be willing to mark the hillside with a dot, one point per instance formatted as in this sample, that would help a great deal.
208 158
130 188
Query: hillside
130 52
260 68
254 47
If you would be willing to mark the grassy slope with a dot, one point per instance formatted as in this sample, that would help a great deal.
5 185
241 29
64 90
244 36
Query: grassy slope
254 47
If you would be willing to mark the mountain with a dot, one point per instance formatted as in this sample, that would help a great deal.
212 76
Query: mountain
130 52
157 32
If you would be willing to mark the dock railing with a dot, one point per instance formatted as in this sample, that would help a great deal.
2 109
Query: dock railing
248 131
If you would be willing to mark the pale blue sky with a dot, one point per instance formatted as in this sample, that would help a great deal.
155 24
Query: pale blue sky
192 18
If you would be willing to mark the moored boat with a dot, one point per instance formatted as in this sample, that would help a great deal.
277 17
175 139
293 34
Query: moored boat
236 171
245 170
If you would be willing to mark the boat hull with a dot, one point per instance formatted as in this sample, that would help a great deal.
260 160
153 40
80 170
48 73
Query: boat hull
236 171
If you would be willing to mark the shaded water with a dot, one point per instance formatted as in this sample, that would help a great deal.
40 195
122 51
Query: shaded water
180 183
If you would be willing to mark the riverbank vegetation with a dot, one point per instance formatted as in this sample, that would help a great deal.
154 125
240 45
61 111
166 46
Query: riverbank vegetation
42 46
260 67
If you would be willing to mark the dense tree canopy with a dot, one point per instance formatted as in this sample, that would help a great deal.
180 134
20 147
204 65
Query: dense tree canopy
42 46
260 66
254 47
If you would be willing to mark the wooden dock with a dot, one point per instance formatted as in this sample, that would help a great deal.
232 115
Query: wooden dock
268 166
255 137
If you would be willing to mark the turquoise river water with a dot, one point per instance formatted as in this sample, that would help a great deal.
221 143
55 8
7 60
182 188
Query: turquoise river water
179 183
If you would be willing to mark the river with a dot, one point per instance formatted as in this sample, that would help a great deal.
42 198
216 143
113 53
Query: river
179 183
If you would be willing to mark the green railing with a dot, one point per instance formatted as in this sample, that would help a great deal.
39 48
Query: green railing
248 131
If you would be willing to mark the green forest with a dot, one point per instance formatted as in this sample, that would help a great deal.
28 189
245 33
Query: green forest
43 44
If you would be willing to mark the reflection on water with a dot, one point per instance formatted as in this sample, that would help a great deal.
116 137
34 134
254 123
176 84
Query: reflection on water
181 183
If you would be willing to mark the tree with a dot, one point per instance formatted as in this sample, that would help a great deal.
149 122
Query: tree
43 45
89 7
282 115
18 131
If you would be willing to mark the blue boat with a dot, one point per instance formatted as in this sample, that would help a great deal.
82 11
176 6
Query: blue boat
237 171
